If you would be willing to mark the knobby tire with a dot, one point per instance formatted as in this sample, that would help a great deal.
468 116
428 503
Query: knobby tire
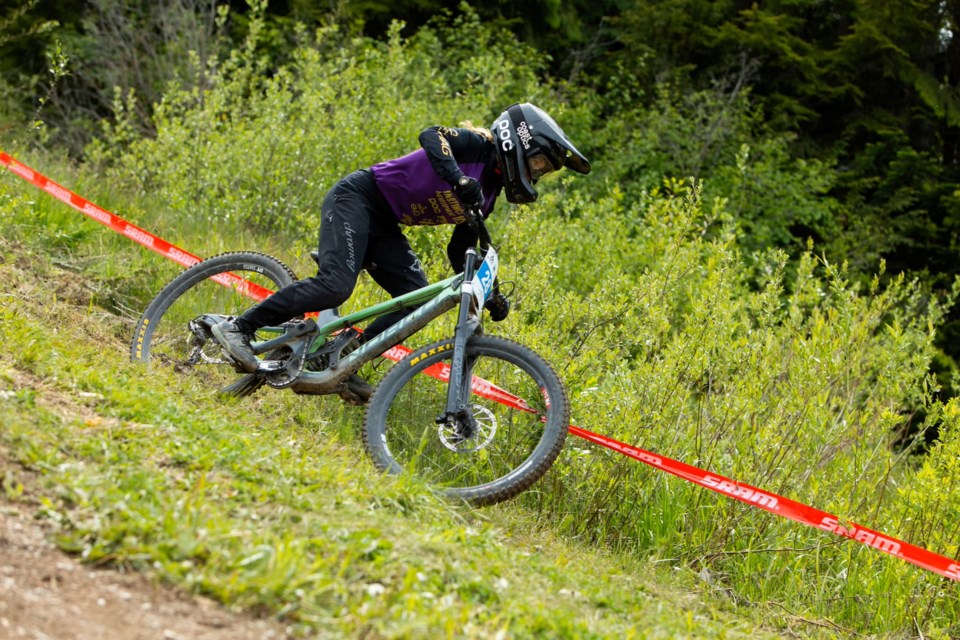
162 335
511 449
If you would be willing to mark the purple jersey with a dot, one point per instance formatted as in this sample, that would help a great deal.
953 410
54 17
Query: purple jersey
418 186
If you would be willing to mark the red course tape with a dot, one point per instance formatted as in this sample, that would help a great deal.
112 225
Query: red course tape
121 226
778 505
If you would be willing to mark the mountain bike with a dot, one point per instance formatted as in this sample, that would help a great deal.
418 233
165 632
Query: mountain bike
476 417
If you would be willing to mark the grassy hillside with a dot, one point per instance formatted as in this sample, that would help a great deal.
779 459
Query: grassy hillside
268 504
674 322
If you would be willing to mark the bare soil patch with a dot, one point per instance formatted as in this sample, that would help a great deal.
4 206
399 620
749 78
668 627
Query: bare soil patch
48 594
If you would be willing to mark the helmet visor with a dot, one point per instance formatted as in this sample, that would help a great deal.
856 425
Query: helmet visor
539 165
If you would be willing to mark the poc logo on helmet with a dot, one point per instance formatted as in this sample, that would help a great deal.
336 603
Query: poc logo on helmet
503 131
524 134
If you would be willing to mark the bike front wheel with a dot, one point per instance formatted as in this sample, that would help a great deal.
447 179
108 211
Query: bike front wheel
163 336
519 416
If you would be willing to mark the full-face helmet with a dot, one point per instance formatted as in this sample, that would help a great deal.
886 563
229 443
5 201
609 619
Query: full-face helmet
530 145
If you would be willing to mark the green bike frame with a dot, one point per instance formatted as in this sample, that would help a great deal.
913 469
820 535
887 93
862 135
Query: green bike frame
433 301
469 289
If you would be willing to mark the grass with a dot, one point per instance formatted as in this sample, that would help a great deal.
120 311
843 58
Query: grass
268 505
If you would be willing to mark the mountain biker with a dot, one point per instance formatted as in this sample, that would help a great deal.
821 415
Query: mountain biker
455 171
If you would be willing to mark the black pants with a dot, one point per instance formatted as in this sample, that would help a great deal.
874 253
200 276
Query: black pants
357 231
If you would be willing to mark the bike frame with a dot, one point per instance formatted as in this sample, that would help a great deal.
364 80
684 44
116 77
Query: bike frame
470 289
432 301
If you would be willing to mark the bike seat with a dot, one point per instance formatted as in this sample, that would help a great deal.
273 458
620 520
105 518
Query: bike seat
327 316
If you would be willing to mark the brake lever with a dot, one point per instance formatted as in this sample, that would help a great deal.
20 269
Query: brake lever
474 219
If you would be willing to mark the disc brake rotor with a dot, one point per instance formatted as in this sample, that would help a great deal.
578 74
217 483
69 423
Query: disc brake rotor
484 429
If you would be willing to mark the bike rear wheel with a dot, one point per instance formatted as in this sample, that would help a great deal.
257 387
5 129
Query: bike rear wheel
520 415
162 336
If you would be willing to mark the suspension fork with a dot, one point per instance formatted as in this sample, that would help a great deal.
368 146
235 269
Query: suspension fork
458 389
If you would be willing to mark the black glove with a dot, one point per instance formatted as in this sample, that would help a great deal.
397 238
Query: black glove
469 191
499 307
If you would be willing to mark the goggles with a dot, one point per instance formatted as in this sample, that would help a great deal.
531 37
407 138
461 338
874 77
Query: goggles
539 165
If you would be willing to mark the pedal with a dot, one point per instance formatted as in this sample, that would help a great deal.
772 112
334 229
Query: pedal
243 387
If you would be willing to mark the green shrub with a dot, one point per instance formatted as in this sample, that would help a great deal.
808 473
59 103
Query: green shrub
639 285
666 346
259 150
718 136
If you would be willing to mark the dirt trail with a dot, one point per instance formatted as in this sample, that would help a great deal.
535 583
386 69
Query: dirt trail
46 594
